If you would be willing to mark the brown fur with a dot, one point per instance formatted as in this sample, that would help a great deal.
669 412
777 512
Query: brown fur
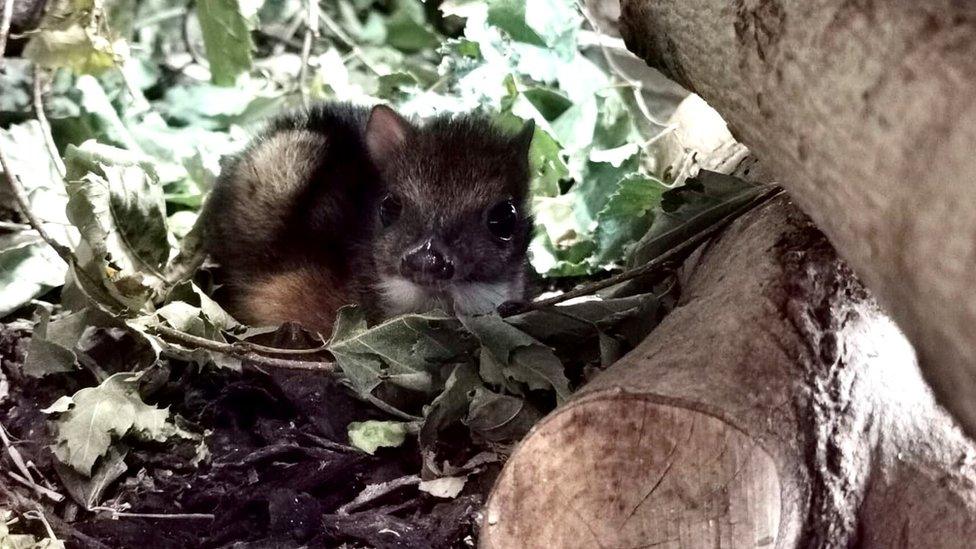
286 297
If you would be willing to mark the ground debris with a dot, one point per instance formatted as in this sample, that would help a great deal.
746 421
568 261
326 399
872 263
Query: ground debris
279 467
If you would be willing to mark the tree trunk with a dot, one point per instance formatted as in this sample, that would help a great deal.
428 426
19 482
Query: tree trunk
776 406
867 111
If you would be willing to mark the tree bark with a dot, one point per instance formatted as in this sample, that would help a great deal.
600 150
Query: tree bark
776 406
867 111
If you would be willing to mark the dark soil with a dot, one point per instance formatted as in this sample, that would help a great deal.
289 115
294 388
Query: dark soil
278 472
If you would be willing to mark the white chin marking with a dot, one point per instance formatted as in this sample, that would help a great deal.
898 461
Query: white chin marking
472 298
401 296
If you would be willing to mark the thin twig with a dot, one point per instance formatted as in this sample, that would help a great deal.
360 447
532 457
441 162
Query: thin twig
38 105
5 19
247 346
185 34
382 405
38 514
653 139
349 42
282 41
373 492
652 265
41 490
37 471
636 84
11 226
289 37
327 444
28 507
311 34
14 454
231 350
25 477
139 102
124 514
159 17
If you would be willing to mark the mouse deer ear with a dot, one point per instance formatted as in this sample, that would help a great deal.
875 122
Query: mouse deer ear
385 131
524 138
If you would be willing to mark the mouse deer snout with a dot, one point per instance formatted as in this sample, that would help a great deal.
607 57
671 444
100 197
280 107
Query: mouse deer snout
427 264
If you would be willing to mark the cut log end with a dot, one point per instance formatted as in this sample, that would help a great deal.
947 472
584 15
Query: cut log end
623 469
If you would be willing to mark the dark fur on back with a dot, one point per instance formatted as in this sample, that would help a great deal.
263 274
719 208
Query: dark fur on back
298 209
262 216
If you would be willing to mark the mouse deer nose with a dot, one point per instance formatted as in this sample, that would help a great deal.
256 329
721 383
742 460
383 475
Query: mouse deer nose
426 264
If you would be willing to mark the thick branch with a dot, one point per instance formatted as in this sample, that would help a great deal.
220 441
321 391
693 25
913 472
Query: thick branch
866 111
776 406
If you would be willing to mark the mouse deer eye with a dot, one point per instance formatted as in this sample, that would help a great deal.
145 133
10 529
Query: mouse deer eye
390 209
502 219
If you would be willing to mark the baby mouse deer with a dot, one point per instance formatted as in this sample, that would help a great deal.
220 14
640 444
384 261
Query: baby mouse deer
344 204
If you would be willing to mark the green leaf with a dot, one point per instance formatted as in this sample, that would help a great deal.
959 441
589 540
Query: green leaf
520 357
626 216
207 308
227 36
101 114
187 318
74 34
212 107
188 157
405 351
500 418
556 21
509 15
118 209
575 126
614 127
75 47
550 103
368 436
52 345
601 180
392 84
407 29
100 414
569 322
461 47
449 407
563 243
86 491
689 209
